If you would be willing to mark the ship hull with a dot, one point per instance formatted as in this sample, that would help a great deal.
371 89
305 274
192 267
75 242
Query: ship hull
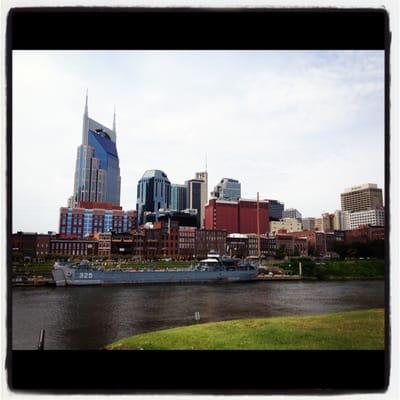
89 277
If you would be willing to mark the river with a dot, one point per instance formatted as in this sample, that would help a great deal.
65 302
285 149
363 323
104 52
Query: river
85 318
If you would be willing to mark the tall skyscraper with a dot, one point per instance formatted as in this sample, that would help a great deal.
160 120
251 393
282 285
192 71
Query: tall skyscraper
227 189
361 198
194 198
178 197
203 176
97 174
153 193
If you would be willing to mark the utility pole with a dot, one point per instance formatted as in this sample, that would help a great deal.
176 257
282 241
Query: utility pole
258 226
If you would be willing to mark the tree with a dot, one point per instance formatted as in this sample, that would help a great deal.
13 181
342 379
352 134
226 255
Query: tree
280 252
341 249
17 256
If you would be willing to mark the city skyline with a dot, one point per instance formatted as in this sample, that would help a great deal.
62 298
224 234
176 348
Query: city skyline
231 107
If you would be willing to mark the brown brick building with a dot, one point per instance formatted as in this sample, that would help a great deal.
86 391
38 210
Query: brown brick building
31 245
316 242
104 244
74 247
237 245
292 244
364 234
209 239
186 242
169 238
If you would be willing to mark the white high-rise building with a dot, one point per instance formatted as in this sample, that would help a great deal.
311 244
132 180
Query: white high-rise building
374 217
203 176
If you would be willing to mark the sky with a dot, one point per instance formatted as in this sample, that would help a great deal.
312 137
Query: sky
296 126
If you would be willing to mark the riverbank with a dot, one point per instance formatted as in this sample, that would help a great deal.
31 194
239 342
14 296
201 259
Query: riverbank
337 270
351 330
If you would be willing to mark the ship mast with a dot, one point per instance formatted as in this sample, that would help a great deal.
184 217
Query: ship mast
258 226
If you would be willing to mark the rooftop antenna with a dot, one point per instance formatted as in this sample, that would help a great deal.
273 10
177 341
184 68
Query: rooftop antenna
206 162
114 121
86 103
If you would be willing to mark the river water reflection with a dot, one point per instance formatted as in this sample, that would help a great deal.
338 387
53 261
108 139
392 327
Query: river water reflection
84 318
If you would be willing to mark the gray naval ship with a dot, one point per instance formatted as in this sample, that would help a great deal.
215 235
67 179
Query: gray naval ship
212 269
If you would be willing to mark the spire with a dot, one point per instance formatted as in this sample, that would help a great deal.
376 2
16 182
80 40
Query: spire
114 122
86 104
85 126
206 162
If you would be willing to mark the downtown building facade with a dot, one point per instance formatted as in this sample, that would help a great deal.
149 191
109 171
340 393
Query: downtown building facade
186 217
373 217
291 213
362 205
308 223
227 189
153 194
31 245
97 172
196 196
286 224
246 245
327 222
341 220
156 195
178 197
361 198
65 247
275 209
80 222
237 216
202 176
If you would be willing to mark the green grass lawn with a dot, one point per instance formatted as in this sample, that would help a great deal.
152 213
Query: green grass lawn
352 330
345 269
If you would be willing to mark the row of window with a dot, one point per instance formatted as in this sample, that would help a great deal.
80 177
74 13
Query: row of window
69 246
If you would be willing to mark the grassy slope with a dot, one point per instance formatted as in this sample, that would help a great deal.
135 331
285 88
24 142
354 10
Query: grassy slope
357 268
349 269
347 330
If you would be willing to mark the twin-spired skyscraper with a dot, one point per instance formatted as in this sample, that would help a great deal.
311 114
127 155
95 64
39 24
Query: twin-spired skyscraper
97 173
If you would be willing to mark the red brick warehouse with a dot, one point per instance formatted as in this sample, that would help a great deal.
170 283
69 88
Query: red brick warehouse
236 216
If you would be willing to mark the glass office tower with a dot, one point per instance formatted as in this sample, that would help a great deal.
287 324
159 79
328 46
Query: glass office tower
227 189
97 173
153 193
178 197
193 198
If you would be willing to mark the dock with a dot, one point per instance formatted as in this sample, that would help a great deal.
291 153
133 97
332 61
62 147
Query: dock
279 278
33 282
